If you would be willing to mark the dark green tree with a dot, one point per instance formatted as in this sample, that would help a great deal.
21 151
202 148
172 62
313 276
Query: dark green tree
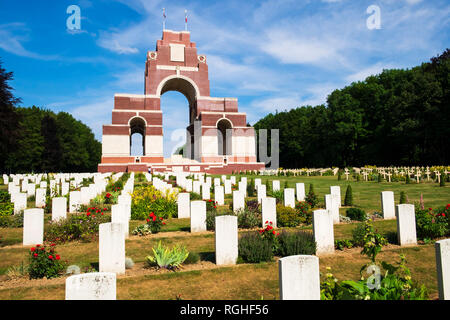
348 201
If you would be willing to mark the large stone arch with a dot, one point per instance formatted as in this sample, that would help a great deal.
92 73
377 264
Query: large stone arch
183 85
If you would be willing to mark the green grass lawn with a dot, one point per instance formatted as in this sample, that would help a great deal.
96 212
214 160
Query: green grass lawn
243 281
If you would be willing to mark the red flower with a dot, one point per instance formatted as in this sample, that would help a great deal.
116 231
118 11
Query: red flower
88 214
102 213
273 232
154 218
58 257
32 249
148 220
52 245
38 245
42 249
164 223
104 209
443 214
35 254
50 257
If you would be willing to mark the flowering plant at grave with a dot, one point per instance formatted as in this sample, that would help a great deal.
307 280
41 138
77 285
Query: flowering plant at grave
304 211
433 223
154 222
211 205
83 226
44 262
269 233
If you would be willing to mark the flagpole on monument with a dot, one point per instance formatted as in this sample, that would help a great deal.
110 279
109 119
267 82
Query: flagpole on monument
185 20
164 19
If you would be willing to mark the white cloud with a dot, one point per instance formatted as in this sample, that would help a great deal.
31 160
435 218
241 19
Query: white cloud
361 75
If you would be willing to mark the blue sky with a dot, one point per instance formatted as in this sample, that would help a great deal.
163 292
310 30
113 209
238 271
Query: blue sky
271 55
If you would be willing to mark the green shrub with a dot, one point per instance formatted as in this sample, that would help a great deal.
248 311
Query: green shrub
278 195
311 198
402 197
341 244
395 284
294 243
4 196
356 214
287 216
195 196
44 262
82 227
12 221
252 205
251 188
254 249
146 199
443 178
348 201
192 258
248 219
163 257
358 235
6 209
304 211
142 230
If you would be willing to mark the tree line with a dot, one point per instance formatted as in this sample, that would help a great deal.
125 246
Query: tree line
399 117
40 140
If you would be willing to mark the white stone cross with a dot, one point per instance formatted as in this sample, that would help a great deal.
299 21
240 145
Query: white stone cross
389 176
438 174
418 176
365 174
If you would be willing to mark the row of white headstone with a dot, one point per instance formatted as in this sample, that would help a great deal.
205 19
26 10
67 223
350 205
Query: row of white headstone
299 275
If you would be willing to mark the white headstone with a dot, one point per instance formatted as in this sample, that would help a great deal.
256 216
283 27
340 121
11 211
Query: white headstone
323 231
269 211
31 190
332 205
226 240
388 204
299 277
238 200
184 210
59 208
20 202
111 248
300 190
442 248
289 197
74 200
119 215
337 191
227 184
33 226
196 187
198 216
206 191
242 185
261 192
40 197
406 224
276 185
219 195
91 286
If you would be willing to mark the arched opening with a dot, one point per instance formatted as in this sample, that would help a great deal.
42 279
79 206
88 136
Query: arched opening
137 136
174 92
223 138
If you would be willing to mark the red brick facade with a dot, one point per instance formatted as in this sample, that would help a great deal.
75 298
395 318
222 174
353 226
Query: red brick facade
175 65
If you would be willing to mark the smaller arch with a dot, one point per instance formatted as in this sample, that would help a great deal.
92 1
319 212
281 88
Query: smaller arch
224 142
226 119
137 126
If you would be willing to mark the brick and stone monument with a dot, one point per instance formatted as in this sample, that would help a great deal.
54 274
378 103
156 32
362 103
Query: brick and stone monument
218 139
